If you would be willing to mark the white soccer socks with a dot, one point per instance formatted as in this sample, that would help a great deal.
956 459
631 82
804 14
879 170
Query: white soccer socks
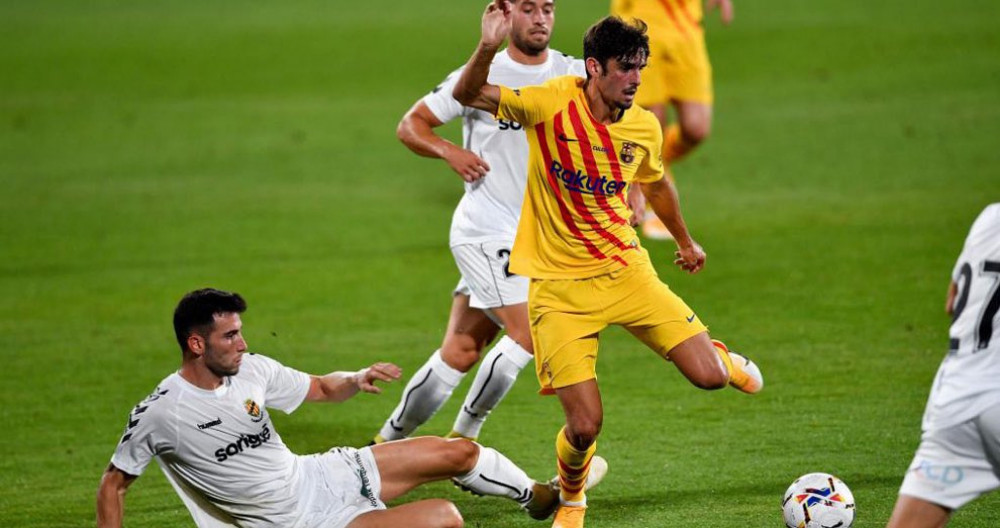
495 475
496 375
424 394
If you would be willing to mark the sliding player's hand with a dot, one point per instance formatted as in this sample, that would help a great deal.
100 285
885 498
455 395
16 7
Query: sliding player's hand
466 164
386 372
690 258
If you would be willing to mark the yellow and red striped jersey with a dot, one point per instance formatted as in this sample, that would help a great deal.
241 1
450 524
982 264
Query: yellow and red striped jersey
574 221
679 17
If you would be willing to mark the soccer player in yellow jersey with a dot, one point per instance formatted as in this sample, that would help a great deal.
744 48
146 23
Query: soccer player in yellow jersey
588 144
678 74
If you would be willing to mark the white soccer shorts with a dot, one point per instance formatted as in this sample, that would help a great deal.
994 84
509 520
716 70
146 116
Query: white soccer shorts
342 484
957 464
485 277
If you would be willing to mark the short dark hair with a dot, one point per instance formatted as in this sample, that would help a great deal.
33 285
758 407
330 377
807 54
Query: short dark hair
196 311
613 38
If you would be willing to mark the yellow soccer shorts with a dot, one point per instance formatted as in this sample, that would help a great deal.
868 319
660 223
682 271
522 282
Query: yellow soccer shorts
567 316
678 69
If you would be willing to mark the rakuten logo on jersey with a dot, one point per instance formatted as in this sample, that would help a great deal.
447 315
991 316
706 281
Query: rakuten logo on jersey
251 441
584 183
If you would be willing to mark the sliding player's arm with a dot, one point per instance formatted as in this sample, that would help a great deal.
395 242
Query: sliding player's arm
416 131
111 497
339 386
472 88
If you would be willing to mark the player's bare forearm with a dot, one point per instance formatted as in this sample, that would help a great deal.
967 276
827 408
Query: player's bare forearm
416 131
472 89
662 197
340 386
111 497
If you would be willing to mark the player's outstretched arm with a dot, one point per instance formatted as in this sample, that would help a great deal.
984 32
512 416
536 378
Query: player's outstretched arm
416 131
472 88
661 195
339 386
111 497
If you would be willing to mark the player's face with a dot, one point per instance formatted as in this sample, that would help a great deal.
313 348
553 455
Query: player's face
225 345
531 25
619 82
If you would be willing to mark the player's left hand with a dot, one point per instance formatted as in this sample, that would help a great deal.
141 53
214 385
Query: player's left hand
725 10
690 258
367 377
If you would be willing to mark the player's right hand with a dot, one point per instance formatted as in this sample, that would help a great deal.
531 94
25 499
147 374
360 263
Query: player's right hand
690 258
382 371
496 22
467 164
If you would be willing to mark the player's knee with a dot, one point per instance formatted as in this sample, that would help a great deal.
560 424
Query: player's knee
583 431
460 455
713 379
460 352
695 132
447 514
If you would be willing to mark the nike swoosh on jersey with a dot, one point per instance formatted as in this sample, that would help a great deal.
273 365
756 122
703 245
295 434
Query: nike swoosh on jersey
564 139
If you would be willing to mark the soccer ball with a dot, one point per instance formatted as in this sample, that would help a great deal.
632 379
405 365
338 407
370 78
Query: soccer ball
818 500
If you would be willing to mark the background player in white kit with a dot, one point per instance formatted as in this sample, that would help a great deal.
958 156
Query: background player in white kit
493 163
209 429
959 454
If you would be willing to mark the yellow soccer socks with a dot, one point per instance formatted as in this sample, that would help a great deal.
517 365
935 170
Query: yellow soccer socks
573 466
743 373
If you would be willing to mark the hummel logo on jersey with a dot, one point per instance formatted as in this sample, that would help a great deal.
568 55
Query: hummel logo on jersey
213 423
584 183
564 139
251 441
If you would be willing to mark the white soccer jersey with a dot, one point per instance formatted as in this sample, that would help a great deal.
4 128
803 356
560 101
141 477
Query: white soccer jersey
968 380
491 206
219 448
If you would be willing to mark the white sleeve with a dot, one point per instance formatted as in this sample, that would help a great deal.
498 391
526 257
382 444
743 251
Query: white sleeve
284 387
148 433
578 68
442 103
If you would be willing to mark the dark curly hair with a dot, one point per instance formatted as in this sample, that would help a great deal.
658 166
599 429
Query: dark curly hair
613 38
196 311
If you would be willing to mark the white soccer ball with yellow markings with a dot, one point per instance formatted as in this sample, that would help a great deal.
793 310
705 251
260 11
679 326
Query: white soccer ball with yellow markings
818 500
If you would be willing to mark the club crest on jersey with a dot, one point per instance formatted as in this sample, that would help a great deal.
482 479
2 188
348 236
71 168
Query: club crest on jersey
627 154
253 410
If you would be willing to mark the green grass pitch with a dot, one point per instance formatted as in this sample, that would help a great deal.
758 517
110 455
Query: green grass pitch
149 148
